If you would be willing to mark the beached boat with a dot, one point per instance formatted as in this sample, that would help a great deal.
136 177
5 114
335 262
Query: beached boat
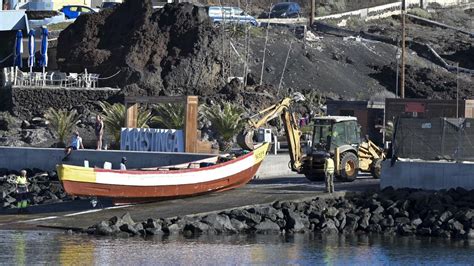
128 186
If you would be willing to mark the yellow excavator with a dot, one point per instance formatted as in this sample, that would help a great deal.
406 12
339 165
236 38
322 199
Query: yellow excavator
337 135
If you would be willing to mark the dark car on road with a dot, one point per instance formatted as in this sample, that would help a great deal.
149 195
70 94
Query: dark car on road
283 10
106 5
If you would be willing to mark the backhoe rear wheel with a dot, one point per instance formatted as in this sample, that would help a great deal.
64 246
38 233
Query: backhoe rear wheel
349 167
376 168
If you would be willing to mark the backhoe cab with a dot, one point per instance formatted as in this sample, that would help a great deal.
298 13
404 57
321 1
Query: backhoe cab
338 136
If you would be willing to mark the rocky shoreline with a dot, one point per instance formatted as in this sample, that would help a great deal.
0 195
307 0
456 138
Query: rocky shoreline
44 188
447 214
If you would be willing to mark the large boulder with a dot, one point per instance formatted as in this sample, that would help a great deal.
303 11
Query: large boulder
293 221
220 223
329 227
243 215
103 228
268 212
239 226
197 227
267 226
124 219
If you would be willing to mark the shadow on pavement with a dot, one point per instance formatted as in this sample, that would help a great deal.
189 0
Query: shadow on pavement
67 206
280 180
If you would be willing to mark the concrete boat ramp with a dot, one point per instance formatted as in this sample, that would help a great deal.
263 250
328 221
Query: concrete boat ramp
79 214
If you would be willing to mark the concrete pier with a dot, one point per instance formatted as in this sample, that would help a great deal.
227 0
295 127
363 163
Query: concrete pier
79 214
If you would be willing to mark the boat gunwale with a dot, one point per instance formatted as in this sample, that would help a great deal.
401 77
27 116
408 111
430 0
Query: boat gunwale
179 171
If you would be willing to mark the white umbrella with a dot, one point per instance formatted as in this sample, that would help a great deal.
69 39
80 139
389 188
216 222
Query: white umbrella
17 51
31 50
44 51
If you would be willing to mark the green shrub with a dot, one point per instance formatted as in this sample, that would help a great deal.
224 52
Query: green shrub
420 13
62 122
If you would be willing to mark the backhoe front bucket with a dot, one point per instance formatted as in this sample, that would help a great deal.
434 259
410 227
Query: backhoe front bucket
245 140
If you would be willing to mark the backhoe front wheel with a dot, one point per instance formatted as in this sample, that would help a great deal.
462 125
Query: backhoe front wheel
349 167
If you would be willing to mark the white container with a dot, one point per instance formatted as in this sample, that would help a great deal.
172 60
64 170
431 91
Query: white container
264 135
108 165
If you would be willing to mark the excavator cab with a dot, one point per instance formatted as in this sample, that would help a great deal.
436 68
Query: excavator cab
340 137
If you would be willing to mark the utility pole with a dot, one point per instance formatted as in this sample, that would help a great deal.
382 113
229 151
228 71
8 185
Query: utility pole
397 56
457 90
311 16
402 74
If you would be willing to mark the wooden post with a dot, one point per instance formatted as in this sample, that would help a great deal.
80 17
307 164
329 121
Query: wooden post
313 10
131 115
190 131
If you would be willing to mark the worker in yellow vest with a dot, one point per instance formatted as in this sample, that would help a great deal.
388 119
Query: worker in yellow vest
22 191
329 173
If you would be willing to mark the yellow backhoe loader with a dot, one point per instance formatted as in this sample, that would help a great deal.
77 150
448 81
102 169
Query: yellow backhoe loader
337 135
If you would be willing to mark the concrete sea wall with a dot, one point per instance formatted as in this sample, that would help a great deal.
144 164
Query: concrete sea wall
427 175
47 159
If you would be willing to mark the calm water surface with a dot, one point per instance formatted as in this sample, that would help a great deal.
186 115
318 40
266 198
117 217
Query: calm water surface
53 248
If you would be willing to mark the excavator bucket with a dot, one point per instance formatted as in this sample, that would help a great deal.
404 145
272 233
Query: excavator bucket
245 140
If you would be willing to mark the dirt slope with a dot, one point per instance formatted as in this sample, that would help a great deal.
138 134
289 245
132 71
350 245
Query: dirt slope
168 51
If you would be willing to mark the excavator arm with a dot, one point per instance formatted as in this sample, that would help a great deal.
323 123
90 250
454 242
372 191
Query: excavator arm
293 134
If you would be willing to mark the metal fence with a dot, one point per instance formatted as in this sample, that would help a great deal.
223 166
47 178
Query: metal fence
434 138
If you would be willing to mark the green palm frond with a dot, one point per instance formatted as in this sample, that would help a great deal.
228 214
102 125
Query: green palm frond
114 118
227 122
62 122
170 115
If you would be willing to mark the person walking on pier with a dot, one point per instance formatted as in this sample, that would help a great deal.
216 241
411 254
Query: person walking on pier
329 173
99 131
21 183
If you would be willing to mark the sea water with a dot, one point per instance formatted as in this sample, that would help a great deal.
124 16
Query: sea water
59 248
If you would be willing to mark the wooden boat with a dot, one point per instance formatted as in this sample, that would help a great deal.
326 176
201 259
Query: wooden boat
132 186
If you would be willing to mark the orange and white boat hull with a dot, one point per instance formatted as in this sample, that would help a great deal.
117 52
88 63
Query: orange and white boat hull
135 185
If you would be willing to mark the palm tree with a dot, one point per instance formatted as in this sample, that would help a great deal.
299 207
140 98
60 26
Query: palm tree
170 115
62 122
227 122
114 118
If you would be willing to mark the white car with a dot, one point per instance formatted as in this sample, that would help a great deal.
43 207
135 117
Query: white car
226 14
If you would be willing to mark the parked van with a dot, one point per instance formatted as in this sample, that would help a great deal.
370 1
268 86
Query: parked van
226 14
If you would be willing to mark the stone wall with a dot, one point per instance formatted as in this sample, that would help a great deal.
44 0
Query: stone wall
27 102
